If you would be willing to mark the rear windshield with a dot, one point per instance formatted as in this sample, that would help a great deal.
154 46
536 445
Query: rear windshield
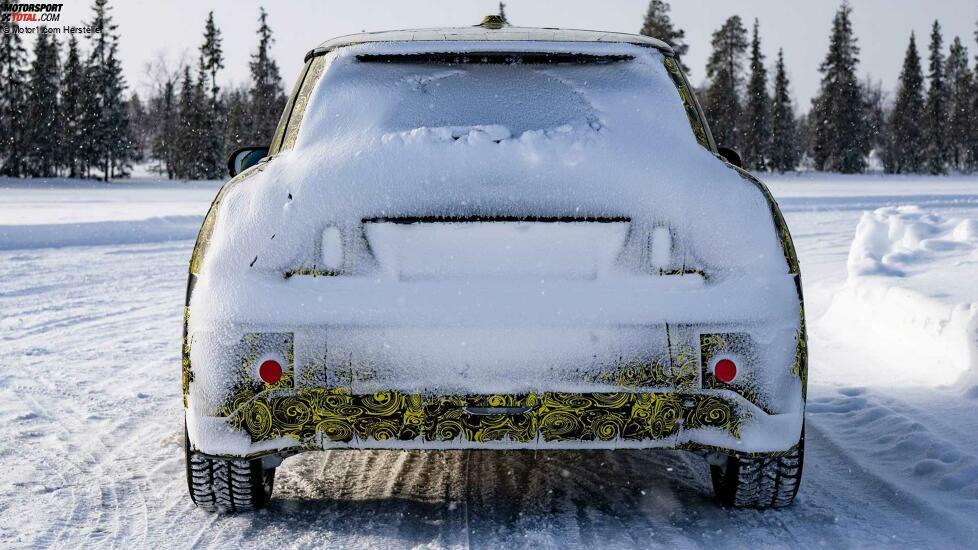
504 94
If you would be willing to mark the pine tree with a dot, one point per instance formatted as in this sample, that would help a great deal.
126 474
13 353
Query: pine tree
109 147
237 129
972 143
72 115
658 24
960 131
211 55
755 135
937 115
267 97
502 12
13 99
874 105
213 115
837 118
42 108
724 70
165 140
187 165
209 135
785 152
140 129
905 135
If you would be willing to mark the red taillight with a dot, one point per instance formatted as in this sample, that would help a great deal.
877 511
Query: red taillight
725 370
270 371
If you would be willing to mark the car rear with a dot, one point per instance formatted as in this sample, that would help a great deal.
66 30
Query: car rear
508 244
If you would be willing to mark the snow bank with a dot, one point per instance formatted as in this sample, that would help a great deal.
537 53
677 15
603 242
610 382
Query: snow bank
160 229
910 297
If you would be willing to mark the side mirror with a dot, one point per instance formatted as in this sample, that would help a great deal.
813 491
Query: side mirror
731 156
245 158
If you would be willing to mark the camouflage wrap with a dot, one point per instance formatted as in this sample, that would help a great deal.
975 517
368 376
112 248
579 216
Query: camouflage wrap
655 400
186 375
196 261
696 120
800 366
338 416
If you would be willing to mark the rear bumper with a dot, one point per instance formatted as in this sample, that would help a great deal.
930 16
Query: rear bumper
321 418
621 363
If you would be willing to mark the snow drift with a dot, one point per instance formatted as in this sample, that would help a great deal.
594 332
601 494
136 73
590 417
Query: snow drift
910 297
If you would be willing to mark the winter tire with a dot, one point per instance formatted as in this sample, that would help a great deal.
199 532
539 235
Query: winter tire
230 486
759 482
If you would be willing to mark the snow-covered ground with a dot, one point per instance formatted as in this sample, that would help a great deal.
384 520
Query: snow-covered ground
91 289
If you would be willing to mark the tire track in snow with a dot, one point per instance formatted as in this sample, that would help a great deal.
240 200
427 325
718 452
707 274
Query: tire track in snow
870 496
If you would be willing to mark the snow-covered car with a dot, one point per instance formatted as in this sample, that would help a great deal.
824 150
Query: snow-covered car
493 238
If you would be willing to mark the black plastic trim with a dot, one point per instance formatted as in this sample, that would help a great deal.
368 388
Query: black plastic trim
407 220
495 57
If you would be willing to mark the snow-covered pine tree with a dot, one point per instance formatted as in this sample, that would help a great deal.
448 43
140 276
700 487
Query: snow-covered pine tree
164 115
935 149
723 69
72 106
212 155
960 81
658 24
837 118
109 147
874 105
785 152
238 127
43 132
267 97
973 142
755 133
208 155
13 99
905 131
211 55
188 162
140 129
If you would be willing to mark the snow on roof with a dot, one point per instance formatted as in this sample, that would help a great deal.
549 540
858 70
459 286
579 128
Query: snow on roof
483 34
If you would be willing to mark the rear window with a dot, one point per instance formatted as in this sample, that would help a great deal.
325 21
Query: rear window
504 93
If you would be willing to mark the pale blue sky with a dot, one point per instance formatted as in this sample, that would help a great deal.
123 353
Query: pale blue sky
150 27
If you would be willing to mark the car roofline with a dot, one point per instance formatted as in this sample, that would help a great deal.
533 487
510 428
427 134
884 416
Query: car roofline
479 33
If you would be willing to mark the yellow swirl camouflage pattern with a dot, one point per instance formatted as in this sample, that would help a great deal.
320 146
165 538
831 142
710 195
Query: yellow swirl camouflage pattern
800 366
186 375
689 102
680 375
393 416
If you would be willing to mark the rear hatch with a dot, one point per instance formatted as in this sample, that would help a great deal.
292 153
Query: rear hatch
481 268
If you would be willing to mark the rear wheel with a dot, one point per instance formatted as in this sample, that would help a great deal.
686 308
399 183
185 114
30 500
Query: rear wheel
219 485
759 482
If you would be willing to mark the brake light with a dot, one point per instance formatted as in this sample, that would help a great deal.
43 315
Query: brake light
270 371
